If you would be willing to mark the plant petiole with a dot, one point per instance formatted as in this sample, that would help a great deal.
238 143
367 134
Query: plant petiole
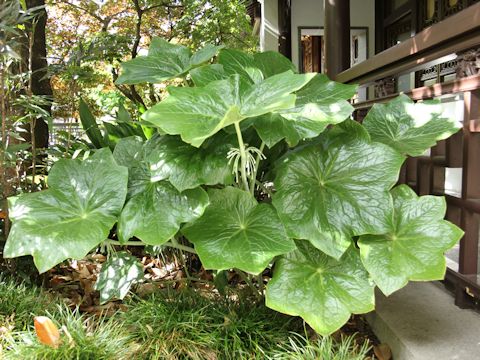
243 156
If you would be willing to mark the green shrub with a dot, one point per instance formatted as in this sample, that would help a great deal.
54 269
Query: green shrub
258 167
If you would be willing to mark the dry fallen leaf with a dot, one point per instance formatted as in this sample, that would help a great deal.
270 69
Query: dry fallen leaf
98 310
159 273
58 280
3 330
382 352
84 272
145 289
92 268
47 332
99 257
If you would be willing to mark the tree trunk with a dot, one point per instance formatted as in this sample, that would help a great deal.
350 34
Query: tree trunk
39 84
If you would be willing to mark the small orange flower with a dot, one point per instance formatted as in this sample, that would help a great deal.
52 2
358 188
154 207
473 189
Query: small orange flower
47 331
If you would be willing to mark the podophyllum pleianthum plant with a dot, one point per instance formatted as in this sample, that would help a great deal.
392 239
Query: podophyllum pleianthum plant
257 166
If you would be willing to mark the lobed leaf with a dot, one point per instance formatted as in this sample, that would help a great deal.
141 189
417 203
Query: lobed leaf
335 189
318 104
408 127
73 216
320 289
237 62
155 209
204 75
129 152
155 214
187 167
254 67
198 113
205 54
237 232
164 61
413 247
272 63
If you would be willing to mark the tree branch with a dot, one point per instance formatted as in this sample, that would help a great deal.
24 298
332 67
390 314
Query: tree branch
162 5
138 28
95 16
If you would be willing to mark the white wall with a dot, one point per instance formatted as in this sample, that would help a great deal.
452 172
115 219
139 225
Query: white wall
269 32
310 13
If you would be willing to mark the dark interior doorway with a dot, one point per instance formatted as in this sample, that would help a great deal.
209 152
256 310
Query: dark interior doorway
312 53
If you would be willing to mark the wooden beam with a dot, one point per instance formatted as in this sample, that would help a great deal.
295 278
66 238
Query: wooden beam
337 36
456 33
428 92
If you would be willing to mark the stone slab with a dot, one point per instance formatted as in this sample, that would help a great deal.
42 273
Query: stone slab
421 322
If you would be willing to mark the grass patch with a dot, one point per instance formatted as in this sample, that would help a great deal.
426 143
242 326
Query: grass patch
19 302
83 338
325 348
186 325
170 325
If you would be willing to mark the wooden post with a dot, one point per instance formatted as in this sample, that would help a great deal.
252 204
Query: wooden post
285 28
470 184
337 36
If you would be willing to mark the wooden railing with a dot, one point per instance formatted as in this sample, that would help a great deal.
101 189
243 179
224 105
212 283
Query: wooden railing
454 34
426 174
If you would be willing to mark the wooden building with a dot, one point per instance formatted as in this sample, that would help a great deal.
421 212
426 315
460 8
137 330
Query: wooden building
426 49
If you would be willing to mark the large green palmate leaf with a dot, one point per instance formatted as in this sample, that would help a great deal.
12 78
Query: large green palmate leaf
129 152
199 112
320 289
238 62
187 167
73 216
335 189
164 61
237 232
319 103
414 246
117 275
155 214
205 74
254 67
155 209
409 128
205 54
272 63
